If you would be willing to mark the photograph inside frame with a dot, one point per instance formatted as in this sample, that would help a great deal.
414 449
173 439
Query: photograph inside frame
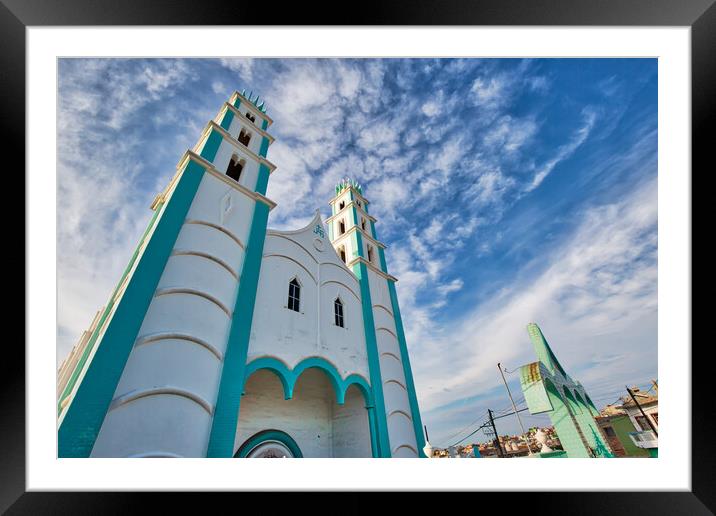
341 258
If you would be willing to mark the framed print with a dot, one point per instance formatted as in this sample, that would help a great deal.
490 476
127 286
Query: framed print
453 232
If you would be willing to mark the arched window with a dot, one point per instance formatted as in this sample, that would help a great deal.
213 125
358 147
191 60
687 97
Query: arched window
251 117
342 253
244 137
294 295
341 227
338 312
362 223
341 205
370 253
235 167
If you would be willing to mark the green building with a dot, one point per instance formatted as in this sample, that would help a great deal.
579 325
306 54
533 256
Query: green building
548 389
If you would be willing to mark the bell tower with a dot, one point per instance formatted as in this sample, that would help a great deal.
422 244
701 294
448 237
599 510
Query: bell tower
169 349
352 233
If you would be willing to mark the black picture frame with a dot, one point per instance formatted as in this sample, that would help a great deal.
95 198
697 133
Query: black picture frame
700 15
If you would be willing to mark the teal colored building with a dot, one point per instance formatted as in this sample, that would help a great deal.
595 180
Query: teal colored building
548 389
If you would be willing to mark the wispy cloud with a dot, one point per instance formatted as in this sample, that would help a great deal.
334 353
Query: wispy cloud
447 151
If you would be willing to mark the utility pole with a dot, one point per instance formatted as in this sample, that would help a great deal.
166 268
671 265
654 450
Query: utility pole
648 420
497 437
514 407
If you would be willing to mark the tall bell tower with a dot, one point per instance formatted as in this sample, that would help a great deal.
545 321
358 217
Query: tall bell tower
157 376
352 233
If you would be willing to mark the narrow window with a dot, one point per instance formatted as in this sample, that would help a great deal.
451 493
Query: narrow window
341 205
360 205
370 254
342 253
362 223
251 117
294 295
244 137
338 312
341 227
235 167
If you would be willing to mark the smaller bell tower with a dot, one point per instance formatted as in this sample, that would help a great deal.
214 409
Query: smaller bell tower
351 230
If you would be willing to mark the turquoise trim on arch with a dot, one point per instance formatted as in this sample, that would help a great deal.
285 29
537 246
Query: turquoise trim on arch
289 377
380 422
269 435
407 371
226 412
85 414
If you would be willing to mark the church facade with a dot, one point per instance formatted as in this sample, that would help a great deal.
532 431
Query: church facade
225 338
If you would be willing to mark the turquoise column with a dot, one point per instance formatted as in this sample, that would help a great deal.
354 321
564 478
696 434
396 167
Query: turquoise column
380 422
407 371
83 420
226 121
404 357
226 412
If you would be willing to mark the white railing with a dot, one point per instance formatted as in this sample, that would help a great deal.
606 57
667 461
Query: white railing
645 439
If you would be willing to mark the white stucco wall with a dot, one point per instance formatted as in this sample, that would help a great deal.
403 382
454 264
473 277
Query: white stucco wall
172 374
294 336
395 391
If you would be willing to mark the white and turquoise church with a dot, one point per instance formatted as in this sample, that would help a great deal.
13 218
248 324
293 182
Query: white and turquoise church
227 339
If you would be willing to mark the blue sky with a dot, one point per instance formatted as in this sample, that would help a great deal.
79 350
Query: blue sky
508 191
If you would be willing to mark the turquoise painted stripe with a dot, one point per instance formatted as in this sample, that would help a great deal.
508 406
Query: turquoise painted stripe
228 118
226 413
208 152
264 124
264 147
407 371
372 230
376 379
237 102
100 324
262 179
383 266
84 417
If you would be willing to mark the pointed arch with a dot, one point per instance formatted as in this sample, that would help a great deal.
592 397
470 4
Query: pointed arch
338 312
294 295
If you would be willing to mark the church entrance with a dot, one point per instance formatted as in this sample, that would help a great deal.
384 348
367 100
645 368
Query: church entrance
310 424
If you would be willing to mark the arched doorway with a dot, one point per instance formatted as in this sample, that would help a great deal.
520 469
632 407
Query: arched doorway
278 409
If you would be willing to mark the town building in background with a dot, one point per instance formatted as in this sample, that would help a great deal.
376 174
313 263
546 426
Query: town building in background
617 427
227 339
